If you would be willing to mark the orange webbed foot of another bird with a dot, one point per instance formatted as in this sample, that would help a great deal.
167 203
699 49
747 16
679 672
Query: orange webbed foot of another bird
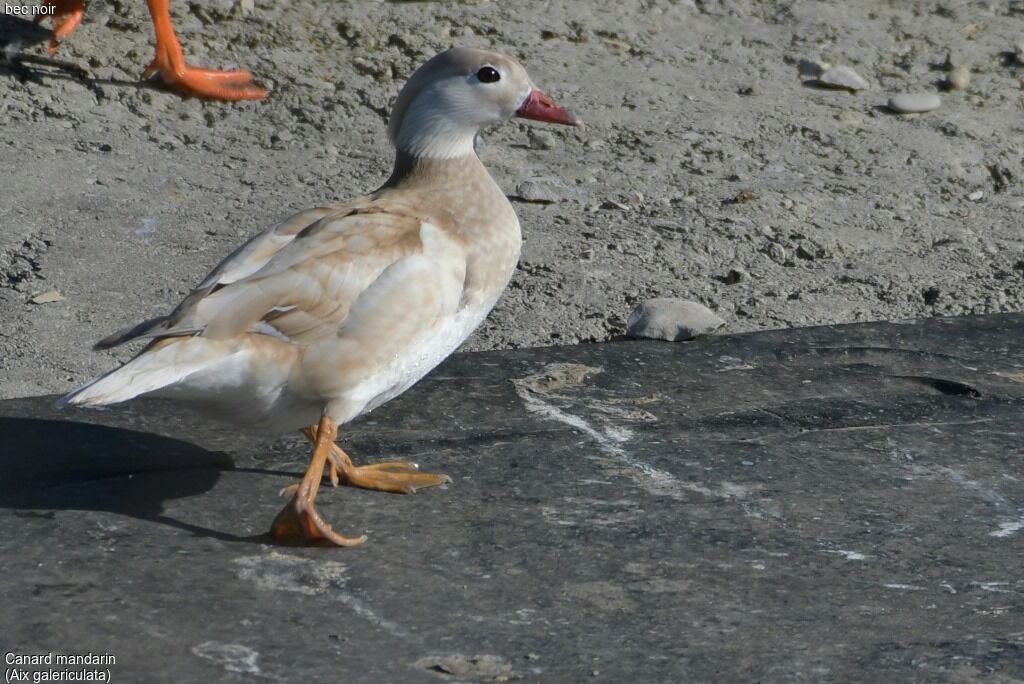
209 83
67 14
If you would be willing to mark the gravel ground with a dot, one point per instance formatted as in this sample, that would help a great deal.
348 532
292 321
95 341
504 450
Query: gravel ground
711 169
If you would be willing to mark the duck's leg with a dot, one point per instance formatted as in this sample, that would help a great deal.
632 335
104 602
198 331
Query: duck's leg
390 476
299 519
67 14
170 62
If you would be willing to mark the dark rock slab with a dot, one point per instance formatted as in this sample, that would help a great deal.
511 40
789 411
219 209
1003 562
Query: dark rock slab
826 504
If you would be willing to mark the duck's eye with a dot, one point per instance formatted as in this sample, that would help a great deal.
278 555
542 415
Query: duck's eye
488 75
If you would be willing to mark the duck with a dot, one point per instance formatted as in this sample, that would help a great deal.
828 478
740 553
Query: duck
340 308
214 84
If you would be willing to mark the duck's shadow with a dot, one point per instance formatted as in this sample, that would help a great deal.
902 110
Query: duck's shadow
48 465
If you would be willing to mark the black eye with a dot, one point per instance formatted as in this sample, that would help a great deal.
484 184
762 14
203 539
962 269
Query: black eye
488 75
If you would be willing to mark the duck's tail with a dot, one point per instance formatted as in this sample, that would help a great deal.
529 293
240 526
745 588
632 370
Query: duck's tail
163 363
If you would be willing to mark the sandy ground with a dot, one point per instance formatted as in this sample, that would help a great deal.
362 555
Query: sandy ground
710 169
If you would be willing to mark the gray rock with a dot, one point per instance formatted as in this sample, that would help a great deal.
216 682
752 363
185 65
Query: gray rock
777 253
842 78
541 139
539 191
671 319
914 103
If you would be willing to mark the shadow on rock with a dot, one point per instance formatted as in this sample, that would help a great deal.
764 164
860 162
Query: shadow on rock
61 465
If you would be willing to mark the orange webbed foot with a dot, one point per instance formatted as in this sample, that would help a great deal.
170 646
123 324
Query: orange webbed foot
299 520
230 85
67 15
397 477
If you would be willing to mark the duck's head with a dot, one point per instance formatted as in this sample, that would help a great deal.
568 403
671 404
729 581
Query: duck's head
450 98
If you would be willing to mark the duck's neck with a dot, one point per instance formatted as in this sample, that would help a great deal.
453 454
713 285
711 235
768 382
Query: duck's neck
410 169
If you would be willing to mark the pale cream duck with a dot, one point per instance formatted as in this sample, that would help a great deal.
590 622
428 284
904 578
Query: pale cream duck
340 308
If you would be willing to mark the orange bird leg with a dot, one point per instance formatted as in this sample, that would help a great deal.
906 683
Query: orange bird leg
299 519
67 14
209 83
397 477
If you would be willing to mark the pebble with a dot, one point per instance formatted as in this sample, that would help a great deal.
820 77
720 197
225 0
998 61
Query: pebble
976 196
537 191
777 253
47 297
806 251
541 139
671 319
914 103
958 78
843 78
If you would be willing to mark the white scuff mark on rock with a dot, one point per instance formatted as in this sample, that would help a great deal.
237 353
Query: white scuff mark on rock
609 440
232 657
994 587
732 363
903 587
281 572
364 611
849 555
986 493
148 227
1008 528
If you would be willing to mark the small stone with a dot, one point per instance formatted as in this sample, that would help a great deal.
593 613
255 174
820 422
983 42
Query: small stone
744 196
671 319
47 297
777 253
976 196
537 191
635 198
958 78
805 251
842 78
914 103
541 139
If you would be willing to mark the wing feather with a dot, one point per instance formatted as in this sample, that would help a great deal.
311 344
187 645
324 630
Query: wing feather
298 280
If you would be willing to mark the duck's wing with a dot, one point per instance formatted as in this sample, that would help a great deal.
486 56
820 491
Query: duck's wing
250 257
381 263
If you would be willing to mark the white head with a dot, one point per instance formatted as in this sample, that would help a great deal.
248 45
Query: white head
451 97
